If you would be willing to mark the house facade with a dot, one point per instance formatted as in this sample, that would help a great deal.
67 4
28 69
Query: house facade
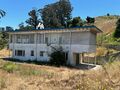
39 44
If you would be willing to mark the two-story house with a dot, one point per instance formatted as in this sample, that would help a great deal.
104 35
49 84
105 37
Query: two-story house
37 44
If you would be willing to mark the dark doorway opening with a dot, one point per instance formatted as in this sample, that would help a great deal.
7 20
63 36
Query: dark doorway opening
77 58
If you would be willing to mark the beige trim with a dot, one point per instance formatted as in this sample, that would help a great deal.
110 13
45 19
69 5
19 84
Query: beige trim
58 31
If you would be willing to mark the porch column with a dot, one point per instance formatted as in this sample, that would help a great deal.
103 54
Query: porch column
35 42
44 38
81 57
14 41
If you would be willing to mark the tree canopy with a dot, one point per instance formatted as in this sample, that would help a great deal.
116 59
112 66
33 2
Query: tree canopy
56 14
90 20
3 39
34 18
75 22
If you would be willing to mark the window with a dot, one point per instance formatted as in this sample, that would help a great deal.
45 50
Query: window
19 52
41 53
60 40
41 38
46 40
32 53
25 39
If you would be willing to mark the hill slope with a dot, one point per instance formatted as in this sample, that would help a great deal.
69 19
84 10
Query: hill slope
106 23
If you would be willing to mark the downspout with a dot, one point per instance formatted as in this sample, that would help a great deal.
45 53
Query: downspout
14 38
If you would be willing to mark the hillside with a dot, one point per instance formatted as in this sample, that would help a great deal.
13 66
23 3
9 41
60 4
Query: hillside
106 23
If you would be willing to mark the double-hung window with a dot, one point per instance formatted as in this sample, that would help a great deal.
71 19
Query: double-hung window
32 53
19 52
42 53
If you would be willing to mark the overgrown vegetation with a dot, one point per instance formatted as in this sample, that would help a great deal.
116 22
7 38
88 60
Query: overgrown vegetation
108 39
58 57
10 67
105 78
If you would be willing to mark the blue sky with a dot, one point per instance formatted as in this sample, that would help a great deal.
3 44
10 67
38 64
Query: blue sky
17 10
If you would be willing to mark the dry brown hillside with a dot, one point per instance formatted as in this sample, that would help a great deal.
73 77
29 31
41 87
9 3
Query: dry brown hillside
106 23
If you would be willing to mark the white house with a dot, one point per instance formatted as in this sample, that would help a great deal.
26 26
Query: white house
39 44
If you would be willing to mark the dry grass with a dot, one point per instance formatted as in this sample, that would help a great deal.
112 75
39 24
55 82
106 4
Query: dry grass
4 53
107 25
40 77
34 77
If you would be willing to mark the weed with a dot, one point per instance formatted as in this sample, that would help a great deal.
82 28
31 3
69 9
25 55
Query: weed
10 67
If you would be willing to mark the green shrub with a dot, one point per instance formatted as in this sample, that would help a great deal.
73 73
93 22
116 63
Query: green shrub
58 58
10 67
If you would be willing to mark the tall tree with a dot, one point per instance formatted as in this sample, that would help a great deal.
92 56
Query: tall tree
56 14
117 31
2 13
34 18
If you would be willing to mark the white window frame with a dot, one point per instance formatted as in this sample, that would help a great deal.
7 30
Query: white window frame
42 53
22 53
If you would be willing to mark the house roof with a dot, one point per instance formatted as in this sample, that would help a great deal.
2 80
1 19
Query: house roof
80 28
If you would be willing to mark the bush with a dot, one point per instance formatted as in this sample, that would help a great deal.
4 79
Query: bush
58 58
10 67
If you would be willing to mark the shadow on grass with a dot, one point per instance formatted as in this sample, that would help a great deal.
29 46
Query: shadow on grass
84 66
